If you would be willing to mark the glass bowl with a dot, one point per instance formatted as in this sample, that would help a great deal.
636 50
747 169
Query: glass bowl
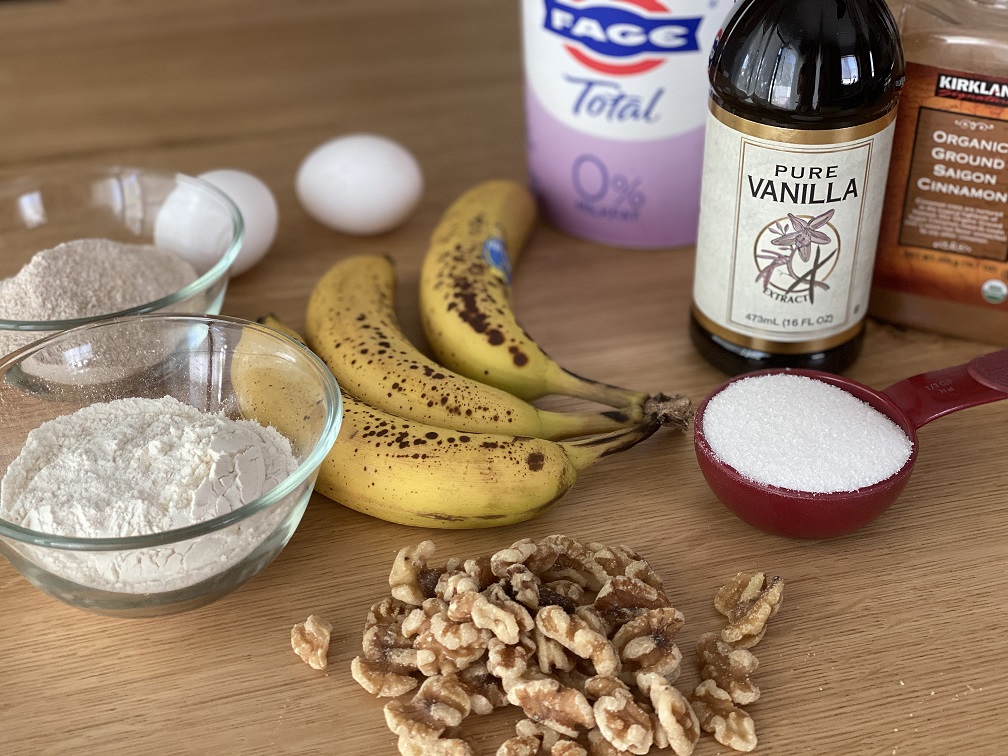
213 363
152 209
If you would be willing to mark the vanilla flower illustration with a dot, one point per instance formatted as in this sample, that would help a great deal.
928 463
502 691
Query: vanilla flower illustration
804 233
796 238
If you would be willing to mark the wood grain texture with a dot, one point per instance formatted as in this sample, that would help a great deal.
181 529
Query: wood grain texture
890 640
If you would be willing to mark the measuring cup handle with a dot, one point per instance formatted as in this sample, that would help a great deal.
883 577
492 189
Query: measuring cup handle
928 396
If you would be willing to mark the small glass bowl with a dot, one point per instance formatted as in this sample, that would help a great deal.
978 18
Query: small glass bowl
214 363
130 205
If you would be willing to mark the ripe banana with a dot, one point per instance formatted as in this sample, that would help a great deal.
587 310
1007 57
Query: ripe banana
466 303
350 322
272 321
257 368
417 474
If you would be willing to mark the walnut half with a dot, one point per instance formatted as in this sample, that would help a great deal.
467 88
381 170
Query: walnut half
717 714
677 718
411 580
560 708
623 723
442 702
576 635
310 641
646 643
730 668
748 601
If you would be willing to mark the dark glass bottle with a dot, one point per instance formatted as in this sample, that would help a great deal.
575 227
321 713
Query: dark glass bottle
803 97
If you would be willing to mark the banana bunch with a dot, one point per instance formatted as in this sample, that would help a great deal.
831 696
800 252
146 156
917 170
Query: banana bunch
414 473
466 300
422 444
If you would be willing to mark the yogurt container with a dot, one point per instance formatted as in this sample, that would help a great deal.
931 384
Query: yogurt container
616 105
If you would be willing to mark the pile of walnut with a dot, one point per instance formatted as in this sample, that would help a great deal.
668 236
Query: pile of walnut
580 636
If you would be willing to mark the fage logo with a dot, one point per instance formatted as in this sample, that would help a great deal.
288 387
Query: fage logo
621 37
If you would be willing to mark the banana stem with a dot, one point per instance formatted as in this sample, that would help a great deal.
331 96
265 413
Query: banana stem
567 383
675 410
587 451
557 425
658 410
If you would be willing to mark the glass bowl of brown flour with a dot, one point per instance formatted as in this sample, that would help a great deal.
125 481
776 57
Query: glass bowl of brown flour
159 476
80 244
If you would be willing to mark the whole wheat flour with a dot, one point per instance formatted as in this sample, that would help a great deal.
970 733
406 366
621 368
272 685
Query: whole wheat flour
86 278
138 466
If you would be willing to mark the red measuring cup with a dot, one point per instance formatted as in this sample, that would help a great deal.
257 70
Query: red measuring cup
910 404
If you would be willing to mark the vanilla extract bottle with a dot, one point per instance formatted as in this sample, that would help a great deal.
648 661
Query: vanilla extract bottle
802 105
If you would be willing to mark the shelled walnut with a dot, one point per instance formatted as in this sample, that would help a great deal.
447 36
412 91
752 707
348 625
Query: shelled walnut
730 668
442 702
548 702
717 714
381 678
486 692
748 601
578 637
677 718
411 580
623 722
725 662
647 643
310 641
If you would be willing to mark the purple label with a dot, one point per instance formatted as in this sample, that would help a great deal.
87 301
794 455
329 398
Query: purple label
625 193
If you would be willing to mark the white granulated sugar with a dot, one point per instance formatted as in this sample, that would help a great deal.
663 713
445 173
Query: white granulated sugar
138 466
803 434
85 278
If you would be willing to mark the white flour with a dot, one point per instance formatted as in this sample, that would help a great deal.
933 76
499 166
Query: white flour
85 278
139 466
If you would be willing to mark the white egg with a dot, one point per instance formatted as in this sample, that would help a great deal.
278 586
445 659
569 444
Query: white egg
258 208
360 184
197 230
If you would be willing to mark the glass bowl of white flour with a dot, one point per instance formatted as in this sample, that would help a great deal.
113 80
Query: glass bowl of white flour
154 463
79 244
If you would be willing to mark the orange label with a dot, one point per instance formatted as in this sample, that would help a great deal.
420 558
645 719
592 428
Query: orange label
945 230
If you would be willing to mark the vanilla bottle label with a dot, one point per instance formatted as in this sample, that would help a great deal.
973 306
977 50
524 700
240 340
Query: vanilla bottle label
788 225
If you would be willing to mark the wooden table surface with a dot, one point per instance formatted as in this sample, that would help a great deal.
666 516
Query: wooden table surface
890 641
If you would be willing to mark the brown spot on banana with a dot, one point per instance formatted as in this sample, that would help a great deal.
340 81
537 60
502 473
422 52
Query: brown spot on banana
518 357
